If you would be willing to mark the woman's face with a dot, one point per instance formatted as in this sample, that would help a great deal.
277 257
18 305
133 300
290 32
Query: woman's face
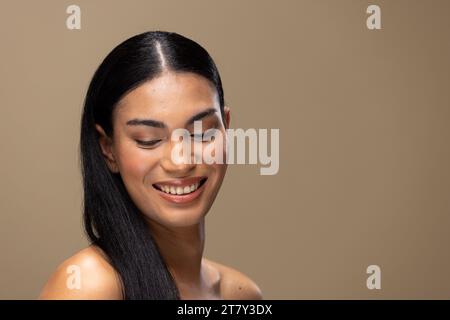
166 192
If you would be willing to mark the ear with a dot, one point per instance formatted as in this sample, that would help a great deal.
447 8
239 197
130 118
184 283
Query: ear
226 110
106 146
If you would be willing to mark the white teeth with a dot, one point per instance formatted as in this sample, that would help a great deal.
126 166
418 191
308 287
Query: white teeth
179 190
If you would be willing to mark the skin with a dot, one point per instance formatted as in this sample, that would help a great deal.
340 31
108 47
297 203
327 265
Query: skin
178 229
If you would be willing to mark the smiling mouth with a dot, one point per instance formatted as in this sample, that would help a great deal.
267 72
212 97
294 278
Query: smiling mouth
177 189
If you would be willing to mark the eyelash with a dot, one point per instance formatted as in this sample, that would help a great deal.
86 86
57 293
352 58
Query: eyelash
153 143
202 136
150 143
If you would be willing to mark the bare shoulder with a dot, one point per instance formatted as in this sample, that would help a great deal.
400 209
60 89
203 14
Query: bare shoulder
85 275
234 284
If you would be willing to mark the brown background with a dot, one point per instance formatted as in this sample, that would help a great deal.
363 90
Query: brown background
363 116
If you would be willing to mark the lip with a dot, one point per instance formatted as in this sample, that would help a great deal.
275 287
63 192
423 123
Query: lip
182 198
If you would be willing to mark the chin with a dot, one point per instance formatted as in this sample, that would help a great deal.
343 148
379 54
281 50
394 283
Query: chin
182 218
185 214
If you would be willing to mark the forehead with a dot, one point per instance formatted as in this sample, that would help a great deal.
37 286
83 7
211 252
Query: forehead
170 98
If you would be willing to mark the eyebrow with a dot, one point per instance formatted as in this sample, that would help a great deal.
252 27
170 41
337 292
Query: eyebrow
200 115
146 122
159 124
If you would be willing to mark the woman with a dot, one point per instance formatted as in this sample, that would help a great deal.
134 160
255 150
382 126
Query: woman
144 213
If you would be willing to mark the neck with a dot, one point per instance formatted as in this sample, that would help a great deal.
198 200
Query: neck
182 251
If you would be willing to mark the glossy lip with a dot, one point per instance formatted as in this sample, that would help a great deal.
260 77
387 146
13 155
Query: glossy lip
182 198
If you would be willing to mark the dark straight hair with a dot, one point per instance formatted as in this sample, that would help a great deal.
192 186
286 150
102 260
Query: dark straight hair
111 219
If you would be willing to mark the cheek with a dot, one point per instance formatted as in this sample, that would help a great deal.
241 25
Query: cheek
136 163
215 152
222 147
219 146
220 169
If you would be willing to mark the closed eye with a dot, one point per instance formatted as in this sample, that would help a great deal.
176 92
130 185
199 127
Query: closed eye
203 137
197 137
150 143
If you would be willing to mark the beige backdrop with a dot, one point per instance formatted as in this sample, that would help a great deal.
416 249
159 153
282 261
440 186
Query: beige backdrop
364 127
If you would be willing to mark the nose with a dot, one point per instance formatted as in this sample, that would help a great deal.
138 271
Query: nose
175 162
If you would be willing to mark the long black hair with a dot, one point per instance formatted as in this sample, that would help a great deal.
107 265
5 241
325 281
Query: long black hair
111 219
